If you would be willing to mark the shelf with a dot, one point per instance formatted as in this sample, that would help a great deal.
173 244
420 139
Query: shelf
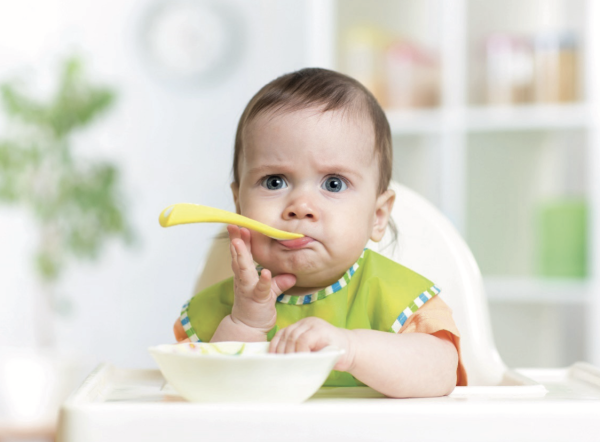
527 117
417 121
493 119
493 165
534 290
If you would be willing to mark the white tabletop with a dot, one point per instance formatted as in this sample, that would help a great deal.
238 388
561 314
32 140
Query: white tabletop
124 405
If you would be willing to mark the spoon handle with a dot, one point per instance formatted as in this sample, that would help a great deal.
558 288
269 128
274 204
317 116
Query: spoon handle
185 213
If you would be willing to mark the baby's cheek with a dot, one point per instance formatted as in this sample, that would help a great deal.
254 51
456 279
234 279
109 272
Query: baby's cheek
260 248
349 234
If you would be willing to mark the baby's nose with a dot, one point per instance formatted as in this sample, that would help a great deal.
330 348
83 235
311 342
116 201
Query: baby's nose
300 209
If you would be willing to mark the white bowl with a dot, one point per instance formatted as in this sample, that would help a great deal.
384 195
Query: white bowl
243 371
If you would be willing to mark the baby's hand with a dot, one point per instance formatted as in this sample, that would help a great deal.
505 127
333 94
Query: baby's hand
313 334
254 295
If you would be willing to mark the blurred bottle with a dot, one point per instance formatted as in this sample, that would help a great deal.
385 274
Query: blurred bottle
562 238
556 55
509 69
412 76
562 211
363 48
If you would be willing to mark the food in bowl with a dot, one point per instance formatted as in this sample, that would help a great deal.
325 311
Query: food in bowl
243 371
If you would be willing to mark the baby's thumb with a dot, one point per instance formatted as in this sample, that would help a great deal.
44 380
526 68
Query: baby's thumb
283 282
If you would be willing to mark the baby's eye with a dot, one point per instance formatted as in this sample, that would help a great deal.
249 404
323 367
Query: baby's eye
334 184
274 182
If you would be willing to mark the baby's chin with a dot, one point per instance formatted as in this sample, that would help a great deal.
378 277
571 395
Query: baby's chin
310 270
298 262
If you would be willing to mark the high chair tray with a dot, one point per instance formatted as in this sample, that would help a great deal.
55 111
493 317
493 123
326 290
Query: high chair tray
531 404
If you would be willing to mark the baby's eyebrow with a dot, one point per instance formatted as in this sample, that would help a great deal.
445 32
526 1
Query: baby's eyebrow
340 170
325 169
264 168
352 174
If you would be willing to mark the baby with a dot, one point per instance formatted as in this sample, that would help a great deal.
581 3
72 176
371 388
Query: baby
313 155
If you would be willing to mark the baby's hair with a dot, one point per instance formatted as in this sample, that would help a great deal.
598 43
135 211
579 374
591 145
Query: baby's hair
324 90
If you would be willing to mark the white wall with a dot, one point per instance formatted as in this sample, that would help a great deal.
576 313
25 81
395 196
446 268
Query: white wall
173 144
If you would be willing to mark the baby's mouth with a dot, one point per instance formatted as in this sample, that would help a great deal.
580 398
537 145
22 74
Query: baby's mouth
296 243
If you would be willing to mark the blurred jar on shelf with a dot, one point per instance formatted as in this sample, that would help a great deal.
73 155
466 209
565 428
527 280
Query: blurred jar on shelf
412 76
363 48
509 69
562 238
556 72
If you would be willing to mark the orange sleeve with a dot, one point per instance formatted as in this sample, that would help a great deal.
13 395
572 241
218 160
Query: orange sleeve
435 318
179 332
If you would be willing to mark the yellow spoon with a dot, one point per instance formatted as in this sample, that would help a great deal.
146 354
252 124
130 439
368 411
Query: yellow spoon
185 213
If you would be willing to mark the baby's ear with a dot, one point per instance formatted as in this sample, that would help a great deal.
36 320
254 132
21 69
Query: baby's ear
235 189
383 211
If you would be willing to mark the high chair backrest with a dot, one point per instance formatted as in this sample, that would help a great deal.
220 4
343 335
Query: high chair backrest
430 245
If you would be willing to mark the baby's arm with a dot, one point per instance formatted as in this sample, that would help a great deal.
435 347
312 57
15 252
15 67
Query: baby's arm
397 365
405 364
253 314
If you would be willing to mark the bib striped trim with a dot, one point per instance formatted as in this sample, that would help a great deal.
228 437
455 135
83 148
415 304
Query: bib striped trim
323 293
187 326
413 307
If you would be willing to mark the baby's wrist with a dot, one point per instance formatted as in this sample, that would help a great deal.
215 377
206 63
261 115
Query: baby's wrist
232 330
253 318
245 325
351 350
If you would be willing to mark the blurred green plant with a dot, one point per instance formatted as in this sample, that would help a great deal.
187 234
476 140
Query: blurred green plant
75 202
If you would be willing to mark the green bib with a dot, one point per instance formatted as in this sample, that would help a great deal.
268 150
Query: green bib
376 293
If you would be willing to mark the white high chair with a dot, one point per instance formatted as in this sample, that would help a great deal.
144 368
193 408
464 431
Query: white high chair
499 404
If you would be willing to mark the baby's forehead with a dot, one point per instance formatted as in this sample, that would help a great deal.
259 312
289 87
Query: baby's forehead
351 115
331 133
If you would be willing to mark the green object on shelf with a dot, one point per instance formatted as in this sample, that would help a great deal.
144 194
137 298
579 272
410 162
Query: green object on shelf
562 238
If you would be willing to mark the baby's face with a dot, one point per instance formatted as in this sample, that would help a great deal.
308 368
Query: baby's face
312 173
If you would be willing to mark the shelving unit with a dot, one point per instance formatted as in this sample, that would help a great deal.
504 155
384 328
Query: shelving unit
527 117
424 122
535 290
461 145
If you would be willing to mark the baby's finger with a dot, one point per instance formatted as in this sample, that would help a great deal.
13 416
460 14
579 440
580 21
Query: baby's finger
244 258
299 339
242 249
247 237
306 341
262 292
234 263
274 341
278 339
282 282
233 231
289 336
281 342
246 276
